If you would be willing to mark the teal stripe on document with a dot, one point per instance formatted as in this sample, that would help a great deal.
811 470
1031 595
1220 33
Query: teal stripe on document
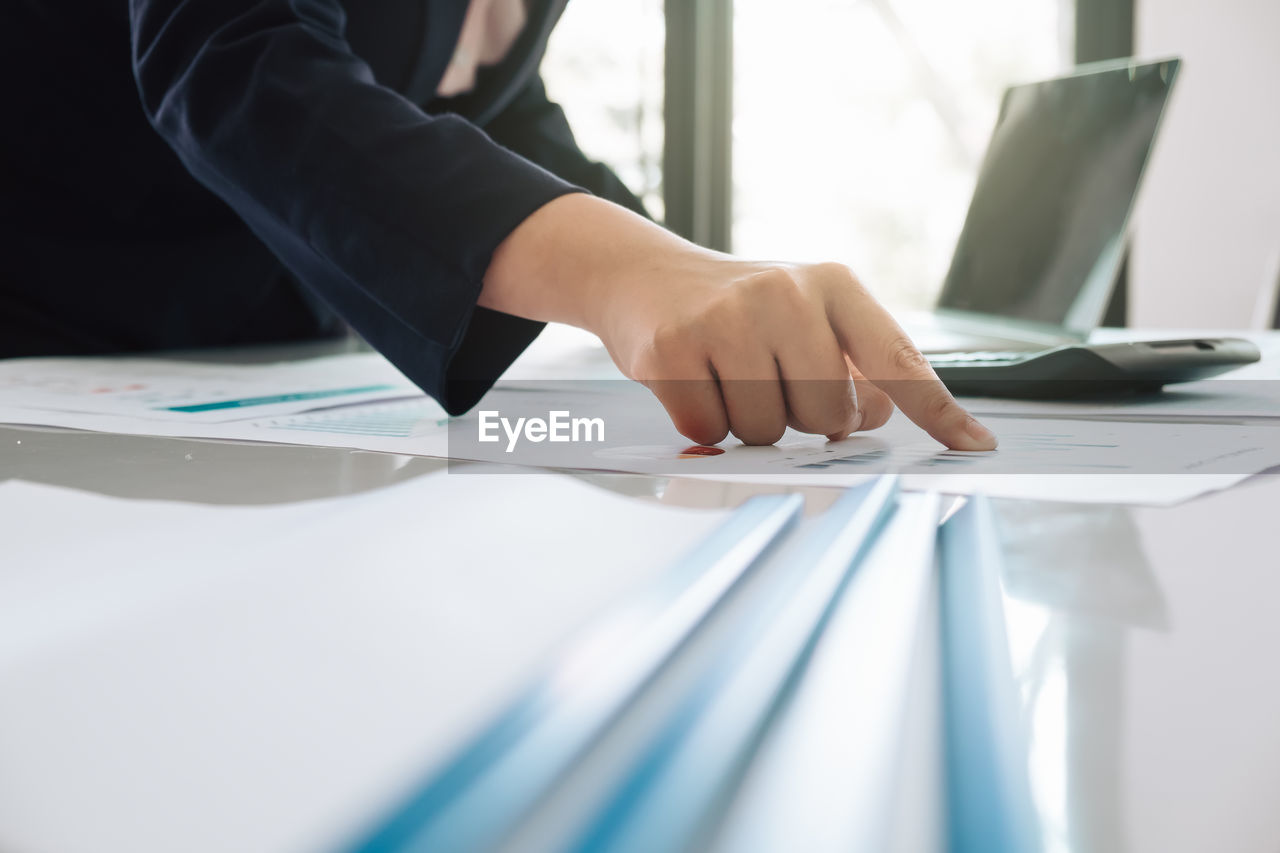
482 794
274 398
686 775
989 803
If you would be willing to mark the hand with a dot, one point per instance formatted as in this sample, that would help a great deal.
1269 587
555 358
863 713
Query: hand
726 345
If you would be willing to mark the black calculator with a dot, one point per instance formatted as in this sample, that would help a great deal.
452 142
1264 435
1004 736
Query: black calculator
1089 370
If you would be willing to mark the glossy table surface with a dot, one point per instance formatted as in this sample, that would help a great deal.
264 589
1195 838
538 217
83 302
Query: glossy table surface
1144 640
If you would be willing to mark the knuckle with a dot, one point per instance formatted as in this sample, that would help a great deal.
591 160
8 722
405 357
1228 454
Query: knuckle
659 354
838 271
906 357
728 308
736 321
668 342
939 406
774 285
721 322
841 277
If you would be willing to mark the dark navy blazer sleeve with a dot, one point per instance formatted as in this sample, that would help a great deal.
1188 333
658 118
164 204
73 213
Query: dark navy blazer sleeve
536 128
389 214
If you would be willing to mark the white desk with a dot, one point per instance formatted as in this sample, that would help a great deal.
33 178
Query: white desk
1145 642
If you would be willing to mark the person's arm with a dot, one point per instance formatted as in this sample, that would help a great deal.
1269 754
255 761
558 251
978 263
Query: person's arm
398 219
391 215
727 345
536 128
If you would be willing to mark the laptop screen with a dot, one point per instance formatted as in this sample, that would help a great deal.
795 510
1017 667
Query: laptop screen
1045 233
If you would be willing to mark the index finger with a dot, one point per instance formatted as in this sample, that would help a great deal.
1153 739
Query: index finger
885 354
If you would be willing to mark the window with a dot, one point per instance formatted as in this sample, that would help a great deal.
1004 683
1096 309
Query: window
604 66
859 126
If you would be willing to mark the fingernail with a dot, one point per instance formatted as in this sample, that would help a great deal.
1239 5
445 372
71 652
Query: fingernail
980 434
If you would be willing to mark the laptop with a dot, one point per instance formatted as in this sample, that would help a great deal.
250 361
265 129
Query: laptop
1044 238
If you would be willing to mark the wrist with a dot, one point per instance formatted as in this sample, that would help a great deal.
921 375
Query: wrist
521 276
573 258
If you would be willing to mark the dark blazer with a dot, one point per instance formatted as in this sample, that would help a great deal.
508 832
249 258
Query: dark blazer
317 179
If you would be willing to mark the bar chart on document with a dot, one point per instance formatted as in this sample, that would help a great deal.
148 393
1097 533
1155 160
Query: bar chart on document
171 390
410 418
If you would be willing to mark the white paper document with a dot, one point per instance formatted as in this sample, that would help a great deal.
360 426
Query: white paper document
197 392
1044 457
275 677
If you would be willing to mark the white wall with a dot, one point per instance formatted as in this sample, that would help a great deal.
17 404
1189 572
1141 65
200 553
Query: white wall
1207 239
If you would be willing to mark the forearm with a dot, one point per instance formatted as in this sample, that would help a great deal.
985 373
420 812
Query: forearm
561 263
